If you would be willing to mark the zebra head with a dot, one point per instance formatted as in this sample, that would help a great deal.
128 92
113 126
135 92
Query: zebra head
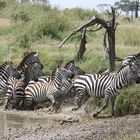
29 57
73 68
64 73
64 77
32 72
131 72
132 58
11 70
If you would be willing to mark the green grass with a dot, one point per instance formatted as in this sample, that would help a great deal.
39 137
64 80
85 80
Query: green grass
127 102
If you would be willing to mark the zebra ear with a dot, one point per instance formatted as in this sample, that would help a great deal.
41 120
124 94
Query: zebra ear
72 61
58 66
36 54
68 63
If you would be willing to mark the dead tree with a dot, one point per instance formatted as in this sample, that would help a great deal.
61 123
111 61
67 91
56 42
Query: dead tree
110 27
82 47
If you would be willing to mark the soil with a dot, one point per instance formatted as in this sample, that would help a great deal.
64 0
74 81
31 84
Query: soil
66 125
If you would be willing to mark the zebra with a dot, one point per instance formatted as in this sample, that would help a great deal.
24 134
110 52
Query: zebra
70 65
7 69
29 57
43 91
131 58
124 61
16 87
103 85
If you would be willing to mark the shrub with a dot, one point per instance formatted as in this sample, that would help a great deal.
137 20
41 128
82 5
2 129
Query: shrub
20 15
50 25
23 40
2 4
128 101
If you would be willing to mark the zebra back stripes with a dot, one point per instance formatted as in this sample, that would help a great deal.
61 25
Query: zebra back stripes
39 92
104 85
16 87
7 69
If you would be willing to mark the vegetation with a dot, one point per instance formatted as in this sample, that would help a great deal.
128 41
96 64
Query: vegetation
25 27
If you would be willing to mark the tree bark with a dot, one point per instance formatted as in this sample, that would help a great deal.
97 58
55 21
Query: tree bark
82 47
111 41
137 9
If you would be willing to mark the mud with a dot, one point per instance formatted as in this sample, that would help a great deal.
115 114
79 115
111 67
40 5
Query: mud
66 125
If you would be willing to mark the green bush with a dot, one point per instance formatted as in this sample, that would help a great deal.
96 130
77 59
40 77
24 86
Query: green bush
20 15
2 4
50 25
23 40
128 101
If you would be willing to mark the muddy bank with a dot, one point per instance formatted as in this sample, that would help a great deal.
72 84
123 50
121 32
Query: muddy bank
66 125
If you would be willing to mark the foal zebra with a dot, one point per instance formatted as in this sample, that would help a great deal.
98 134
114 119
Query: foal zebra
42 91
7 69
16 87
104 85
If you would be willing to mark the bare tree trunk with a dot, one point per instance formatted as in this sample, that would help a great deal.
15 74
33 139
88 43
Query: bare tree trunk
111 42
112 55
82 47
137 9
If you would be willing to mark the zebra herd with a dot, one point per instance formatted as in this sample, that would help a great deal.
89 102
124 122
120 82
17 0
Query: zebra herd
26 86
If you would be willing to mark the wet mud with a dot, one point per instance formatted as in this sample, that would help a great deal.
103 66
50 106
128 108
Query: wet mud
66 125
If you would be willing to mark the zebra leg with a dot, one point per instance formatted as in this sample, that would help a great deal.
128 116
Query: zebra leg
106 99
57 106
52 99
113 105
6 104
78 100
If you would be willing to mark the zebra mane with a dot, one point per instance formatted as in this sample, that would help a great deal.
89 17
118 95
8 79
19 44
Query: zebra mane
122 67
69 62
53 72
26 56
130 64
138 54
5 63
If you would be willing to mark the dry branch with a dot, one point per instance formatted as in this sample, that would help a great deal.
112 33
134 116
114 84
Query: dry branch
93 21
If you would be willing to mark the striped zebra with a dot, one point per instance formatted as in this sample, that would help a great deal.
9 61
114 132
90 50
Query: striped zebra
69 66
100 85
75 70
131 58
16 87
43 91
7 69
29 57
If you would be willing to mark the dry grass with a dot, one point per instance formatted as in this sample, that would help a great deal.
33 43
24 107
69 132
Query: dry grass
4 22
